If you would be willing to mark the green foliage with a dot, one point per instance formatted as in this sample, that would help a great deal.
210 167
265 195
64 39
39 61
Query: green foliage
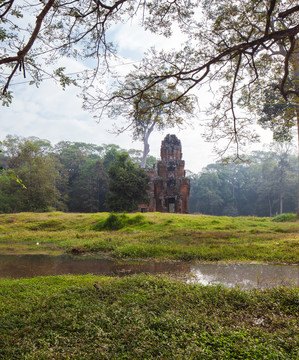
118 221
220 35
144 317
285 217
265 185
64 80
276 113
127 185
29 183
89 188
6 99
111 153
70 176
84 179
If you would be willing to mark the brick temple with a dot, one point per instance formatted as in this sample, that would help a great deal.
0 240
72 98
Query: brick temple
169 188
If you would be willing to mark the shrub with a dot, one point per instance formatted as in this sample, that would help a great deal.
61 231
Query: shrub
118 221
285 217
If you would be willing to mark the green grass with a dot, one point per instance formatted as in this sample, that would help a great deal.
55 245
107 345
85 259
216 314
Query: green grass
152 235
144 317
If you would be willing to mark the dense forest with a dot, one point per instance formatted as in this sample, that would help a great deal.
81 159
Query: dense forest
74 176
69 176
265 185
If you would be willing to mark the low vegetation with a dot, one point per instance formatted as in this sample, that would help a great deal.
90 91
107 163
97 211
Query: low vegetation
144 317
118 221
285 217
152 235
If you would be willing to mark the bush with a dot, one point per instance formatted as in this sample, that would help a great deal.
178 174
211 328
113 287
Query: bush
285 217
118 221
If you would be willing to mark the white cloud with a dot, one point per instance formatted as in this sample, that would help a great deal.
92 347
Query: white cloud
133 41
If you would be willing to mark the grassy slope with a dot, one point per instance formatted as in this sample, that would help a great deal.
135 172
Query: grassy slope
186 237
143 317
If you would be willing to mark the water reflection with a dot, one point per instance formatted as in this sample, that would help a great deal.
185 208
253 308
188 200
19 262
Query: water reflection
244 275
42 265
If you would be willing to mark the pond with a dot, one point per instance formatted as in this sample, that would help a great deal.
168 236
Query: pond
244 275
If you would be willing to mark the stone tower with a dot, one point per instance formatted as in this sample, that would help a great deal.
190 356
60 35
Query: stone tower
169 189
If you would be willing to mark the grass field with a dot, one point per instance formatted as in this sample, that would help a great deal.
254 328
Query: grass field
144 317
153 235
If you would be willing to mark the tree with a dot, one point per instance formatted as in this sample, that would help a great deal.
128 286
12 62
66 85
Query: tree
281 116
128 185
233 46
205 196
75 29
275 181
231 40
111 151
276 110
84 177
137 155
39 176
263 186
147 111
89 189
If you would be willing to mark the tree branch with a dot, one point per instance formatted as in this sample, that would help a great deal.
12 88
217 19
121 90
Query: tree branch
9 3
286 68
24 51
269 13
21 53
109 7
286 13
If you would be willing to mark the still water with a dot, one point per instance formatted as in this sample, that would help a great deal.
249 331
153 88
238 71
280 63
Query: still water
244 275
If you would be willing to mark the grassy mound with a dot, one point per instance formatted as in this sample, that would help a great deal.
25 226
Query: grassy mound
118 221
152 235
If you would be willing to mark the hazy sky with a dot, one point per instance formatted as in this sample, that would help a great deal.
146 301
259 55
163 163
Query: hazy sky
50 113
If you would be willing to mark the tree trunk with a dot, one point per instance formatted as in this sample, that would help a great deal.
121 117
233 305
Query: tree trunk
295 58
297 113
146 147
146 150
270 206
281 203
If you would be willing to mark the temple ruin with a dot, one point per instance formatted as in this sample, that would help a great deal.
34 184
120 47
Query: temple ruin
169 188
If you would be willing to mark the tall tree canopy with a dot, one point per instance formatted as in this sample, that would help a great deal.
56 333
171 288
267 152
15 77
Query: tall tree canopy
233 40
147 112
35 34
237 47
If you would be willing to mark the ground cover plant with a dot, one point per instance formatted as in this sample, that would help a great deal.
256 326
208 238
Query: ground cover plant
152 235
144 317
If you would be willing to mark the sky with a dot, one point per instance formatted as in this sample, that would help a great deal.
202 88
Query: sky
50 113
